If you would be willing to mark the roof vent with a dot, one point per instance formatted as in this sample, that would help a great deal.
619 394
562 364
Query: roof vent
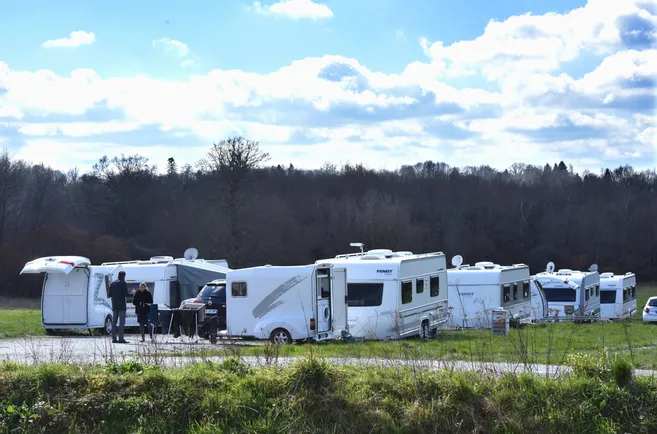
565 272
606 275
380 252
485 264
371 257
162 259
402 253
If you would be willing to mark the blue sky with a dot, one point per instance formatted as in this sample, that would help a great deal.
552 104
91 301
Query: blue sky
377 82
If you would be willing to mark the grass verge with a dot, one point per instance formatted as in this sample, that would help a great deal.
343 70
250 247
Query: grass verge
20 322
314 396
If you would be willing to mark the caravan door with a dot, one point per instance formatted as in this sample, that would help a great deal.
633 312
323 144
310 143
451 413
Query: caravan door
65 289
339 299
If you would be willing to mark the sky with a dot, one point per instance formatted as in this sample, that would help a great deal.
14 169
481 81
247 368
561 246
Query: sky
378 82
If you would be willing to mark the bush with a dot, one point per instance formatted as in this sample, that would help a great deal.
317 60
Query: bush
315 396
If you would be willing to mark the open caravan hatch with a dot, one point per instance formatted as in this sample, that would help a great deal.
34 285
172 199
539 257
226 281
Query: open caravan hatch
75 293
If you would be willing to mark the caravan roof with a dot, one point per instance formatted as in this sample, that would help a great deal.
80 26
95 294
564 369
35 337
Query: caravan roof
379 264
611 280
484 272
566 276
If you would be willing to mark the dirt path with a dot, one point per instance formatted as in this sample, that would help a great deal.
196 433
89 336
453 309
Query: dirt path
179 352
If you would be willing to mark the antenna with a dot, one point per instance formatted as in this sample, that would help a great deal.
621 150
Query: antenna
191 253
361 245
457 260
550 267
593 268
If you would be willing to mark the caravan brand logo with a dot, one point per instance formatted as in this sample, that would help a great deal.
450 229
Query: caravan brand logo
467 294
268 303
386 272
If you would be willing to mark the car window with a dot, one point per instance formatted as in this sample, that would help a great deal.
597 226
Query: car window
653 302
214 291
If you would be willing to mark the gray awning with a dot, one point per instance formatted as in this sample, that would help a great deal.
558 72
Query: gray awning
193 276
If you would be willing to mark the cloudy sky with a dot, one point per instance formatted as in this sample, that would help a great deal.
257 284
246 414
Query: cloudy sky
379 82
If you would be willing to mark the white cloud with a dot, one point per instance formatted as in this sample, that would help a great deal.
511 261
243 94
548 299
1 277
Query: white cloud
74 39
171 46
538 43
332 108
295 9
177 49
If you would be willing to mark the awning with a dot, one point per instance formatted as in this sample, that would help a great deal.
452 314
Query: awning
192 276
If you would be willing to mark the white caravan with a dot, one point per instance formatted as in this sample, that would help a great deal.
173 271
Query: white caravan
394 294
570 292
476 290
286 303
75 294
617 295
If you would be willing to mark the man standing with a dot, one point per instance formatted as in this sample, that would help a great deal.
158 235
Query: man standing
118 292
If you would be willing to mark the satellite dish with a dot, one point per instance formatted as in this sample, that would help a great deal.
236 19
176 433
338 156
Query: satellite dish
593 268
550 267
191 253
457 260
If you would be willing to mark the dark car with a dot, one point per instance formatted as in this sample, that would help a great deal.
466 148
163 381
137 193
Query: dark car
213 295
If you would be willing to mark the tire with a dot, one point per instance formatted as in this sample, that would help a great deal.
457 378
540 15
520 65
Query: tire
107 326
424 330
280 336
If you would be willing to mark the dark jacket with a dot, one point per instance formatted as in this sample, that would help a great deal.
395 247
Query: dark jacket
118 292
140 299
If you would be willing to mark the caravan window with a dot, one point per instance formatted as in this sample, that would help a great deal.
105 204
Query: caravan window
525 289
597 290
515 291
506 293
107 285
633 292
238 289
608 297
419 286
407 292
625 297
586 293
364 294
434 286
560 294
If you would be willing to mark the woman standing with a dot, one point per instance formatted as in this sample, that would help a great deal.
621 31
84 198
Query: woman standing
143 300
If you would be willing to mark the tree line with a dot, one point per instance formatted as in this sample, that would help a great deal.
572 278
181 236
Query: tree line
234 205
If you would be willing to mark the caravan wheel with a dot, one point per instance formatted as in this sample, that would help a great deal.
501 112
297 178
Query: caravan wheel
281 336
107 329
424 330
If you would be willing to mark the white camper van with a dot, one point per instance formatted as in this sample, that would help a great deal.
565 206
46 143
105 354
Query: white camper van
286 303
394 294
75 294
571 292
475 290
617 295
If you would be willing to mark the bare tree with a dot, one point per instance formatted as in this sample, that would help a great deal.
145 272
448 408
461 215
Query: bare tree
231 163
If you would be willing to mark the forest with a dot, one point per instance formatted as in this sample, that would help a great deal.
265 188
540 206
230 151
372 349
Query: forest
233 204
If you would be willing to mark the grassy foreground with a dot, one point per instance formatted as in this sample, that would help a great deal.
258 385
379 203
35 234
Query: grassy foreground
313 396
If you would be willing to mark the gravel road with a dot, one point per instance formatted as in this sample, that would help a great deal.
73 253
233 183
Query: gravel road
100 350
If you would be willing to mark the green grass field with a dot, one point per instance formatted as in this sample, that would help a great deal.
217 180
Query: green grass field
20 317
549 343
